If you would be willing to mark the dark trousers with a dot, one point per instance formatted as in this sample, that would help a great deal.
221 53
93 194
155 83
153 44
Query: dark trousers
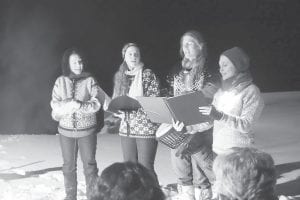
87 149
142 150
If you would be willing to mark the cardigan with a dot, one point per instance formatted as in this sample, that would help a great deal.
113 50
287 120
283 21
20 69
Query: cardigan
202 82
86 90
139 124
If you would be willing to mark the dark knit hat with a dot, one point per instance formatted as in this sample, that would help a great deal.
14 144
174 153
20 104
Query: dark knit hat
238 57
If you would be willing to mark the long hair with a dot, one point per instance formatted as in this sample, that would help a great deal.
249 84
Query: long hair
246 173
198 37
121 81
201 58
65 60
126 181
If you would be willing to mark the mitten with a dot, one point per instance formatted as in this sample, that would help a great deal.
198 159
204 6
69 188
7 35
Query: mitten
215 114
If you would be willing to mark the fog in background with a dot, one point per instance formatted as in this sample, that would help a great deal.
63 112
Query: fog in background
34 34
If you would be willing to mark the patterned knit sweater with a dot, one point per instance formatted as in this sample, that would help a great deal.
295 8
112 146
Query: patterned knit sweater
86 90
241 110
180 84
139 124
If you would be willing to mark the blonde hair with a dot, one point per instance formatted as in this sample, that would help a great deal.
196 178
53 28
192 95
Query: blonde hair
198 64
198 38
245 174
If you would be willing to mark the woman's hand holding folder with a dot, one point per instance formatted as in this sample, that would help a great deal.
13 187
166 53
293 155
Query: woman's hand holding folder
178 126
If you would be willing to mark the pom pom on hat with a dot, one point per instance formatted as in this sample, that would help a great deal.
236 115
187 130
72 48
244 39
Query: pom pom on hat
239 58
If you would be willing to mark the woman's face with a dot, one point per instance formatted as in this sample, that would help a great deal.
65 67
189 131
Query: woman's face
227 68
132 57
190 48
76 64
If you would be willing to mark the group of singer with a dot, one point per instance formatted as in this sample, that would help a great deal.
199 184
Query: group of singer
236 105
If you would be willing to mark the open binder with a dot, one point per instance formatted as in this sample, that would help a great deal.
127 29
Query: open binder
183 108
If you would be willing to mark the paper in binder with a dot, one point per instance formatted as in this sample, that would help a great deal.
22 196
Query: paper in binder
183 108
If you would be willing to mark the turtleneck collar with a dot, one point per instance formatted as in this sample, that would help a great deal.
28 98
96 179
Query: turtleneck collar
237 82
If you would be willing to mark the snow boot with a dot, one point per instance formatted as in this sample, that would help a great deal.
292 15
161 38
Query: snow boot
185 192
203 194
71 193
70 187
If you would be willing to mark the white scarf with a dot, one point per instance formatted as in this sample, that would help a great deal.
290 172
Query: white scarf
136 88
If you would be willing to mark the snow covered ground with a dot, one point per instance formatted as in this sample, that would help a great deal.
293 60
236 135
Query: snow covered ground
30 165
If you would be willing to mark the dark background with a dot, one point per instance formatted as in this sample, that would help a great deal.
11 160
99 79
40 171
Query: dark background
34 34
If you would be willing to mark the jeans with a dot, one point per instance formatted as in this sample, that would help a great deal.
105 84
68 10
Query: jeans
87 149
142 150
195 169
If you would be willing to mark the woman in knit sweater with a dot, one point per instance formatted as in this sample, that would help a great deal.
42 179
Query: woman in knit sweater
134 79
76 97
237 104
192 164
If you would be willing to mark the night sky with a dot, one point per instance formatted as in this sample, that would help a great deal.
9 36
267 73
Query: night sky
34 34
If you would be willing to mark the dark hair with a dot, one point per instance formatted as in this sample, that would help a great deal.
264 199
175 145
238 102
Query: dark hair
65 59
126 181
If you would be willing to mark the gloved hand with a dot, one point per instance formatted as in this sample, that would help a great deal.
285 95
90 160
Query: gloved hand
215 114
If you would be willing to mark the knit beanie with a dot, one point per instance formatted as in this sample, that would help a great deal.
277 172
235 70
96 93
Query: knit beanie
238 57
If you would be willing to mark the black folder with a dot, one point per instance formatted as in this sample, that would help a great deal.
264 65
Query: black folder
123 103
183 108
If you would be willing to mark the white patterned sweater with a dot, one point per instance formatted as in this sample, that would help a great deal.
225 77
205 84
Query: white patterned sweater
140 125
86 90
241 110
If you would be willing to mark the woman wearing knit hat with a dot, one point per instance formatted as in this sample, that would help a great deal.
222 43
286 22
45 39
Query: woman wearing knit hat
192 163
133 79
237 104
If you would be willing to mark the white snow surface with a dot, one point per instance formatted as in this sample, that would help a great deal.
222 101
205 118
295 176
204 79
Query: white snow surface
30 164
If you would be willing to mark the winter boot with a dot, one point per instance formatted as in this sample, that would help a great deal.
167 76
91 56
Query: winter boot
71 193
70 186
90 181
203 194
185 192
